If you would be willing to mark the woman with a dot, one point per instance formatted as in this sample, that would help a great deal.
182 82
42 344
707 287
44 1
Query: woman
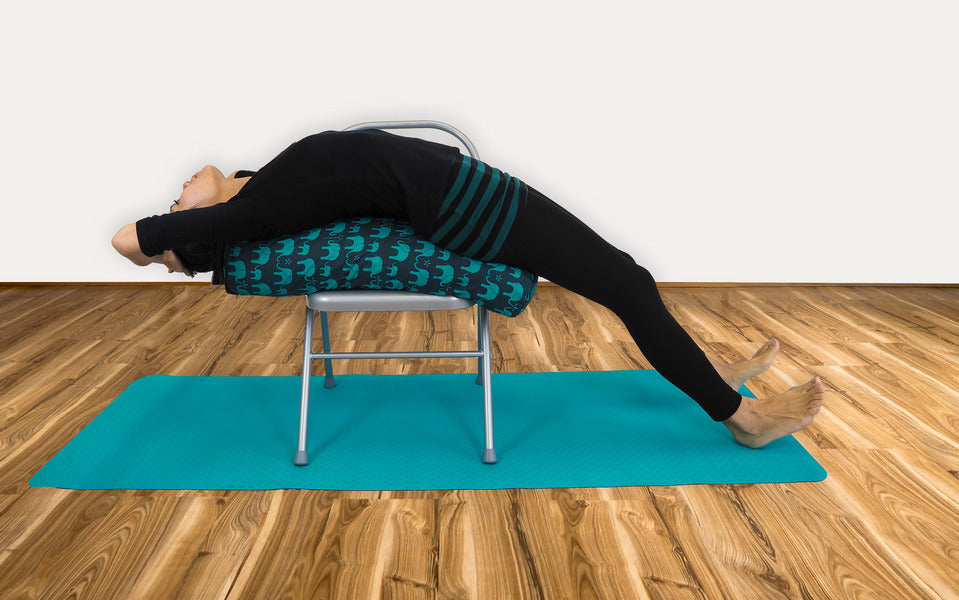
472 208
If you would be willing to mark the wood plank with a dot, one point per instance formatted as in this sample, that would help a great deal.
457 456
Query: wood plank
882 525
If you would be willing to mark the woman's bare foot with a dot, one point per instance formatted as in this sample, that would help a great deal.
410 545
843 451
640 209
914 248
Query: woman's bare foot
738 373
758 422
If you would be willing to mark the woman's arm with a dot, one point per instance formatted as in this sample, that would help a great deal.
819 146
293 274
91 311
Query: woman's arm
126 243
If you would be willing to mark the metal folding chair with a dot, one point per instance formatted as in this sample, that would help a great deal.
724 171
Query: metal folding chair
385 300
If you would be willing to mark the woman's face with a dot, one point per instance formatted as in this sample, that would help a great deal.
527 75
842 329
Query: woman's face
200 190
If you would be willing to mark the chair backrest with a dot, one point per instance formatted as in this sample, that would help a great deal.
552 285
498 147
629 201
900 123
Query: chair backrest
419 125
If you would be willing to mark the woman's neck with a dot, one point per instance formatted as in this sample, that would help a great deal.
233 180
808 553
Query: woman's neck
231 187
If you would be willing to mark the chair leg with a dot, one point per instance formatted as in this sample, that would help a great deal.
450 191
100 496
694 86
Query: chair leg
480 312
301 457
329 382
489 453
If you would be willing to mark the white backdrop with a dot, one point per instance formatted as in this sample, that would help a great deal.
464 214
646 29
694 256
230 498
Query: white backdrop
743 140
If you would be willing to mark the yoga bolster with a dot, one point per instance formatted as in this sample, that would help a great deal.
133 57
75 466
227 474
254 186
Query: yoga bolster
371 254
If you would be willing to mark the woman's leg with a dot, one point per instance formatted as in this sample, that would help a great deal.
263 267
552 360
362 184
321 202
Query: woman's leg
549 241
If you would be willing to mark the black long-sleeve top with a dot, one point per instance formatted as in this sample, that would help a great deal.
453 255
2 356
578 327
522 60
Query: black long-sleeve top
322 178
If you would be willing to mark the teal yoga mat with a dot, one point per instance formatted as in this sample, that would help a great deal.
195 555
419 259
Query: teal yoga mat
404 432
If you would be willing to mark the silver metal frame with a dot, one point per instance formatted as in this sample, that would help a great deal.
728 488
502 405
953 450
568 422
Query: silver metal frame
365 300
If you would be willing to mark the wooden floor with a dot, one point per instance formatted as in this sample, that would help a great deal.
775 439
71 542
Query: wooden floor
884 524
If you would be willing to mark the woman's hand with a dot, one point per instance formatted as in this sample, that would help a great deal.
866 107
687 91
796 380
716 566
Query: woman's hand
172 262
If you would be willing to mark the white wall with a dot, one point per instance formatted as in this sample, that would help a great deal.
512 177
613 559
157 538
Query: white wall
813 141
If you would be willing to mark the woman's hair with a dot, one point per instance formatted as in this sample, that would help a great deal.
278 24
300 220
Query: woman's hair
197 258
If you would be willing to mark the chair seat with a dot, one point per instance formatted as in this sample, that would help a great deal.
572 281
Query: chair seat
382 300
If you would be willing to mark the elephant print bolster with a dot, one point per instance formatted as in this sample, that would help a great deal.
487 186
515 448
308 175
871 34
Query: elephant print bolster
371 254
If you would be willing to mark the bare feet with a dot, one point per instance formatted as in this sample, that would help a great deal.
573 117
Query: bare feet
759 422
737 374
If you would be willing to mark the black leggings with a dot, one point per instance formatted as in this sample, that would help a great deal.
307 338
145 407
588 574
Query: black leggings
549 241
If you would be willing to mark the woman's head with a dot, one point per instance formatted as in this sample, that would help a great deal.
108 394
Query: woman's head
205 188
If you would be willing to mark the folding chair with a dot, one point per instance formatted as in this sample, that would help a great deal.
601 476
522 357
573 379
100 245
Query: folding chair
384 300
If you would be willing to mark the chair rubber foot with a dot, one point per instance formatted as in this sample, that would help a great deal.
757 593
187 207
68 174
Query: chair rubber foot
489 456
301 458
329 382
